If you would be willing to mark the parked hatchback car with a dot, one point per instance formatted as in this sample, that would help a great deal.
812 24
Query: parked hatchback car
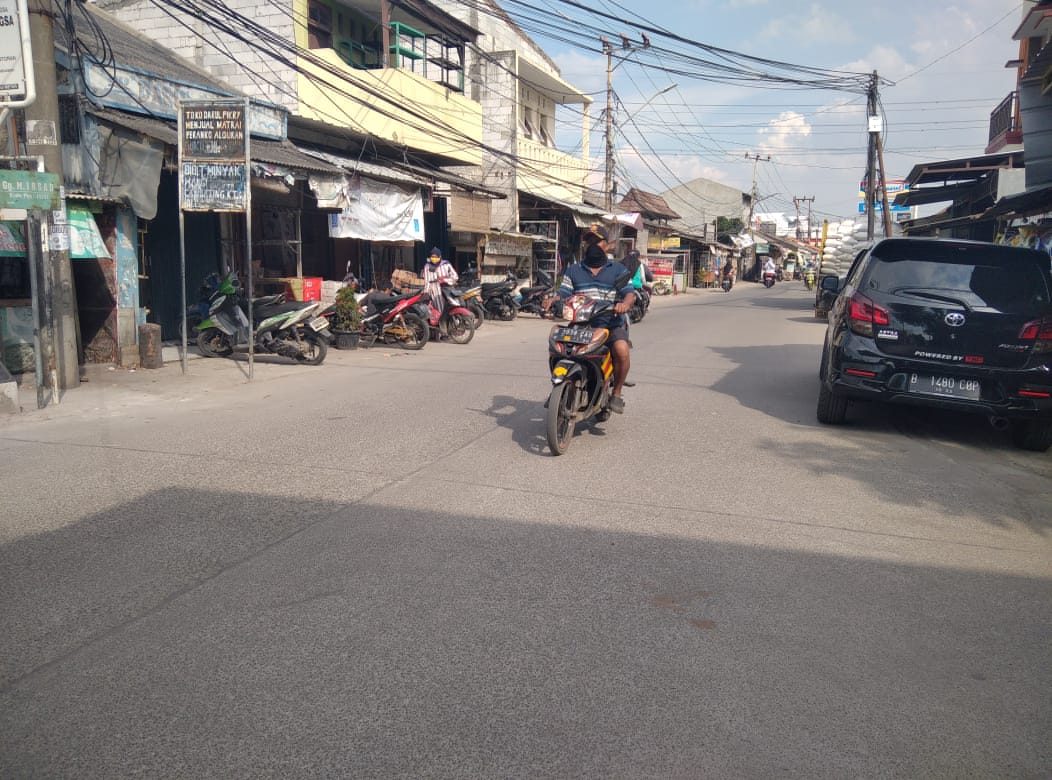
960 325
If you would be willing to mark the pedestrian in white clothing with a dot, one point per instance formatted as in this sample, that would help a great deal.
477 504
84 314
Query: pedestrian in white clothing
436 273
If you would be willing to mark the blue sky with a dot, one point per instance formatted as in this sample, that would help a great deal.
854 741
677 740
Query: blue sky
946 59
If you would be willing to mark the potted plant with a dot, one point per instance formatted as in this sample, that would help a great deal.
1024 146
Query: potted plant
346 319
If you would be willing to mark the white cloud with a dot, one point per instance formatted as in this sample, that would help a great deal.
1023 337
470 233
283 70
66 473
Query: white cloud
815 25
783 133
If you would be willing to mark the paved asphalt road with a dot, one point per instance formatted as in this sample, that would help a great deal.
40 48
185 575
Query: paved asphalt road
374 568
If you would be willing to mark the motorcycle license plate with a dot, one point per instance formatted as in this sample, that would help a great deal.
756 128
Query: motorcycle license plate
946 386
574 335
318 324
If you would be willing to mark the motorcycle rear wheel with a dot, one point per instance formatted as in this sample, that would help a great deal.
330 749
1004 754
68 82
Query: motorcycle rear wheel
559 418
506 312
418 331
460 328
214 343
316 350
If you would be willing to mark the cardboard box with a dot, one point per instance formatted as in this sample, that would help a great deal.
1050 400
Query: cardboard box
406 280
307 288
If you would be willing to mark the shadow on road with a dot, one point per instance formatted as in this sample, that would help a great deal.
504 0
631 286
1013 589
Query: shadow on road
215 634
526 420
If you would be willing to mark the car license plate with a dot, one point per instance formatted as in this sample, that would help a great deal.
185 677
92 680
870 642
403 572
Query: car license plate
574 335
318 324
948 386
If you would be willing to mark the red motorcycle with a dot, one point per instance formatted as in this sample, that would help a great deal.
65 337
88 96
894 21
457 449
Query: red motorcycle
395 319
454 321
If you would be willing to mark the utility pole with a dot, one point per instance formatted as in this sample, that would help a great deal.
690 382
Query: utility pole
874 158
752 200
796 202
59 334
608 49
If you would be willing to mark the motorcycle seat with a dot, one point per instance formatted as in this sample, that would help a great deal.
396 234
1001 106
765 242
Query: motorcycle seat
382 301
268 300
271 309
495 287
528 291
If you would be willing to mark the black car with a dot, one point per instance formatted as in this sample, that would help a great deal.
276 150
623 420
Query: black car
954 324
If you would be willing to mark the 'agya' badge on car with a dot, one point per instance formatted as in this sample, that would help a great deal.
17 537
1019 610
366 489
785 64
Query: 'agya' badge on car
890 335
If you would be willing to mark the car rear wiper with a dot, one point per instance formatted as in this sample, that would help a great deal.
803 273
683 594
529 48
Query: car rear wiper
931 296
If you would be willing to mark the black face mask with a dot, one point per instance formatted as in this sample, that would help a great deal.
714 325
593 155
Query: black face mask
594 256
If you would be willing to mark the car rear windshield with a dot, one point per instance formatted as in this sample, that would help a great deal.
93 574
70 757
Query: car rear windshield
994 280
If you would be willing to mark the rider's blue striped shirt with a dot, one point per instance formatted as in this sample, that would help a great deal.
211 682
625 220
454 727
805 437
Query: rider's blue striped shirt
578 279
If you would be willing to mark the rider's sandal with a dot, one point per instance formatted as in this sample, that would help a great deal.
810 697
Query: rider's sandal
616 404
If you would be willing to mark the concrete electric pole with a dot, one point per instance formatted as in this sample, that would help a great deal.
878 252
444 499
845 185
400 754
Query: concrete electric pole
59 326
608 49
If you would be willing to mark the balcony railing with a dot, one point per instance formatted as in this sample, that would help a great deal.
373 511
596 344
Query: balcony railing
544 170
1004 123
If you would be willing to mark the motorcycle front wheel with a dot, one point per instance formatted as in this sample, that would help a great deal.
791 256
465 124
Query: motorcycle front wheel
214 343
560 422
460 328
418 331
478 312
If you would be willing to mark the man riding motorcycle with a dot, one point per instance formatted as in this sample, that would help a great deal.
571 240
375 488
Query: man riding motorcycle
597 276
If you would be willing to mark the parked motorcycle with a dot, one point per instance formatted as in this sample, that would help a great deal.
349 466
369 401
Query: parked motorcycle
197 312
472 298
455 321
293 330
641 304
582 370
391 319
498 298
532 300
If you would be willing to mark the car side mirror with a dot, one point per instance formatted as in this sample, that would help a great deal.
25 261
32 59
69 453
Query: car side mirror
830 284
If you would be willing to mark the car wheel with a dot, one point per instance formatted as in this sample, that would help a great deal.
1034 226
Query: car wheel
832 406
1034 435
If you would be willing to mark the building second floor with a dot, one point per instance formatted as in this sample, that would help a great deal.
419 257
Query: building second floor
390 71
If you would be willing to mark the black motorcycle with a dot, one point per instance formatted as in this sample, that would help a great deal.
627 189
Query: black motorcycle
540 299
498 298
641 304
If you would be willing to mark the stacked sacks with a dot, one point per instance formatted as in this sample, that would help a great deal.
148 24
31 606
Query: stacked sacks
844 240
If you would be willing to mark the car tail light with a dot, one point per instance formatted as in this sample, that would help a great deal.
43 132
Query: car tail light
863 314
1039 332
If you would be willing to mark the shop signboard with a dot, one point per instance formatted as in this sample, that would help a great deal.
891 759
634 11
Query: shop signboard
213 155
29 190
661 268
893 187
508 246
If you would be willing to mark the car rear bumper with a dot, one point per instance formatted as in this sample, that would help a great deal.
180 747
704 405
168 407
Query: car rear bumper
861 373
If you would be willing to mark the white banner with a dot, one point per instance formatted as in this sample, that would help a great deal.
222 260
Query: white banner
379 211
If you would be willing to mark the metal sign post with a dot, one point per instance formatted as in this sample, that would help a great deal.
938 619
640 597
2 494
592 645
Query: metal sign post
215 175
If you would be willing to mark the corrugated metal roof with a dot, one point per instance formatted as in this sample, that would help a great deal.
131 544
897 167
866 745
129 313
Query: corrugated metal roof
260 149
648 203
372 170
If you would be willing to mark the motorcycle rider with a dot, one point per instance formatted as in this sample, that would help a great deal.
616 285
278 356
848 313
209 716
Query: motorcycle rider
436 273
729 271
769 268
596 275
